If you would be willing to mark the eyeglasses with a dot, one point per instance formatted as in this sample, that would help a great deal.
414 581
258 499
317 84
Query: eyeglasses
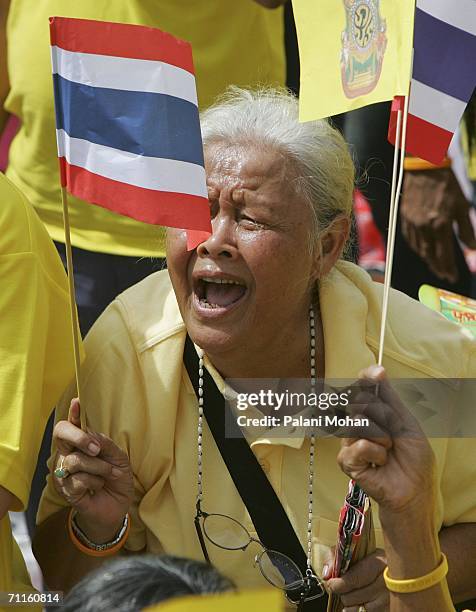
278 569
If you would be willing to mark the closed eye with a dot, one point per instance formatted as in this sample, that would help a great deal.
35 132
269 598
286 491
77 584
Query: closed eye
250 222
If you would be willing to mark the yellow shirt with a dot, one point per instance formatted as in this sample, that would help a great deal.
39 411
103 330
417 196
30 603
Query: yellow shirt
35 356
234 42
152 414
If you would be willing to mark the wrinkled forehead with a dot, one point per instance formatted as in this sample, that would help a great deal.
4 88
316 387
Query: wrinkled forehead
245 166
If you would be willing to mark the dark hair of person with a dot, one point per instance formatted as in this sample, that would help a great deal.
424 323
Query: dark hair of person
469 119
136 582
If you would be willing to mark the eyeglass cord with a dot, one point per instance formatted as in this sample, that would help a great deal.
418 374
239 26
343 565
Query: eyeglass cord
312 331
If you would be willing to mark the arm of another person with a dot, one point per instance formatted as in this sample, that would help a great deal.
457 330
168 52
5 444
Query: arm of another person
4 81
34 324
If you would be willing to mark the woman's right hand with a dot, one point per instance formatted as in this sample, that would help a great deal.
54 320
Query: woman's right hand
99 481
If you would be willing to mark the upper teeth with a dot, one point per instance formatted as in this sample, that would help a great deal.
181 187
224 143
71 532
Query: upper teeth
221 281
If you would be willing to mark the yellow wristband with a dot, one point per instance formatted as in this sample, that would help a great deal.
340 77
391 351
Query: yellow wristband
413 585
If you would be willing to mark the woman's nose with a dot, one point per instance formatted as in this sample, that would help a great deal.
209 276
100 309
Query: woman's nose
222 242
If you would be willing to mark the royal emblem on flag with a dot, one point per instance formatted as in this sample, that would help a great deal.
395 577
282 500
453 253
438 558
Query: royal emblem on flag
364 43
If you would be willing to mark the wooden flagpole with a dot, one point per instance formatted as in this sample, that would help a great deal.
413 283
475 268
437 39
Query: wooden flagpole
72 302
390 240
401 134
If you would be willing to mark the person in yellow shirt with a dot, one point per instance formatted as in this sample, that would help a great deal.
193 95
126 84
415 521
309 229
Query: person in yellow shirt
36 360
262 298
233 43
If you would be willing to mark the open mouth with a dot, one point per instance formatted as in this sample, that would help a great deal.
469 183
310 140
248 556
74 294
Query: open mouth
219 293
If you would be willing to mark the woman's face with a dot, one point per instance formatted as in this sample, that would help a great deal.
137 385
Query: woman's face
252 278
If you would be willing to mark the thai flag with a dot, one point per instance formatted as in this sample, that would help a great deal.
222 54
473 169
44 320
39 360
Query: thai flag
444 76
127 121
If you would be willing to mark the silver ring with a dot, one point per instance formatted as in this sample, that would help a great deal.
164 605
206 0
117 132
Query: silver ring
61 472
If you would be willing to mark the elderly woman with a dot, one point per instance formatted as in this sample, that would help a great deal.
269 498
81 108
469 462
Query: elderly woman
265 296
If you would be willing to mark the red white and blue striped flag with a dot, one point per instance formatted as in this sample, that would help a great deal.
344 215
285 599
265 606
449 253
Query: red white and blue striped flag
444 76
127 122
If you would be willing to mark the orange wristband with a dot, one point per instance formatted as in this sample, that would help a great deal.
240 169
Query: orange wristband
102 551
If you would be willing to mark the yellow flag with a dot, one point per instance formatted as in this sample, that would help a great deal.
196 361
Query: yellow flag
270 600
352 52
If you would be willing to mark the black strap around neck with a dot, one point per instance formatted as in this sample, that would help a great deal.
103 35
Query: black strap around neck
267 514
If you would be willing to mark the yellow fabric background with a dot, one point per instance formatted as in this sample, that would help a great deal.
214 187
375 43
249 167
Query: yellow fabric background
36 360
268 600
233 43
319 27
152 414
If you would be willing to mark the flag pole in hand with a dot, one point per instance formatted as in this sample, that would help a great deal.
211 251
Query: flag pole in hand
147 164
72 302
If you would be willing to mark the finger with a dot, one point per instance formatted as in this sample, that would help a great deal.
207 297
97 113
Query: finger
377 375
111 452
79 485
376 410
328 564
365 396
381 604
359 576
361 430
365 594
68 437
366 383
370 406
59 471
402 421
79 462
356 458
74 414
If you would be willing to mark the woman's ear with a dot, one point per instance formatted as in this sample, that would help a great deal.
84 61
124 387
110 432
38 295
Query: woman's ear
331 245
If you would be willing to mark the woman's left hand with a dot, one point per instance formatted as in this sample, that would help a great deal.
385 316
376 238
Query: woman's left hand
363 582
392 460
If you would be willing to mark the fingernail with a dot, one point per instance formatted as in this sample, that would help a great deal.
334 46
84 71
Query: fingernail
93 448
116 472
325 572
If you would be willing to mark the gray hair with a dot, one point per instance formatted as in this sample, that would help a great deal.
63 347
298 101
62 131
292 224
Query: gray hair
323 168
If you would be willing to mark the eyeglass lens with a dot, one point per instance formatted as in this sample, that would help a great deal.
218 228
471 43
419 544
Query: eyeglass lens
278 569
225 532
